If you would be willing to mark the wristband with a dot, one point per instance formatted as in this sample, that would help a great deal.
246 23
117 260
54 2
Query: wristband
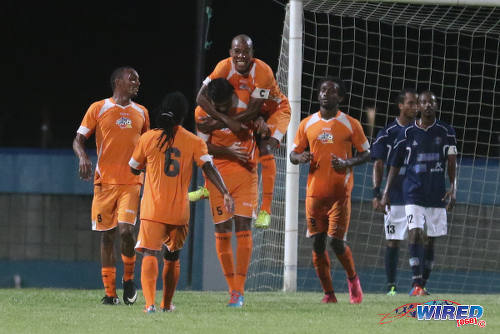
376 193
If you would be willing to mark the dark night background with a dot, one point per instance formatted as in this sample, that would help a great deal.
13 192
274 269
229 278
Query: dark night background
61 56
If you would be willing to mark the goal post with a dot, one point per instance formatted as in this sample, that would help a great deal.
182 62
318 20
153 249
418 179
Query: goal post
379 47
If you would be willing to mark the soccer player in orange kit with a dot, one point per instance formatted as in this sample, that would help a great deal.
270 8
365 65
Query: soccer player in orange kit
117 123
168 153
330 136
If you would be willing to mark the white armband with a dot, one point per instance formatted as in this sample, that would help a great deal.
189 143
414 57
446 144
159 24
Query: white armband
260 93
452 150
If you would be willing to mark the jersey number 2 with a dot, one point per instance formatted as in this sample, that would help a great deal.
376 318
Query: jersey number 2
172 166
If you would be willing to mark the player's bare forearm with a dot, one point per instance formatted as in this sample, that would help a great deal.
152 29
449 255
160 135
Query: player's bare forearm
359 159
213 175
218 151
204 102
135 171
84 163
393 172
79 146
452 172
378 171
252 111
299 158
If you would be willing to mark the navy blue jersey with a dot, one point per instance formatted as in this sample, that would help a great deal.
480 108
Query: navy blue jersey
381 149
425 154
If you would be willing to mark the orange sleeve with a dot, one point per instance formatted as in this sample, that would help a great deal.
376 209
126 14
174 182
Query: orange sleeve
199 113
138 159
89 122
221 70
358 136
300 142
201 155
264 81
147 122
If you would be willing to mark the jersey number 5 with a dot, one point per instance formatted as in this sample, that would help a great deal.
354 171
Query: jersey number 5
172 166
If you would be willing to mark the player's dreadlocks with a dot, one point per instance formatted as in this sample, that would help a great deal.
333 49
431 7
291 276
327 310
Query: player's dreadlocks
170 114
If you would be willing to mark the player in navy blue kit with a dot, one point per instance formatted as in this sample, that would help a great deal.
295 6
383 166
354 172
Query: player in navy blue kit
427 148
395 223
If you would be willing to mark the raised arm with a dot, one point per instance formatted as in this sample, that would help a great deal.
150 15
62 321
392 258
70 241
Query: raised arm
213 175
84 165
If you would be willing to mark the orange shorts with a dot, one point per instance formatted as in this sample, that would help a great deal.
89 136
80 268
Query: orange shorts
278 121
114 203
152 235
329 215
243 189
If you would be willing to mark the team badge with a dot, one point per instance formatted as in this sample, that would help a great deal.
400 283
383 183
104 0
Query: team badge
438 140
326 138
124 123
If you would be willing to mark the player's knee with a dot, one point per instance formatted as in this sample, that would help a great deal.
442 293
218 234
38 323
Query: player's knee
337 246
319 243
416 236
171 256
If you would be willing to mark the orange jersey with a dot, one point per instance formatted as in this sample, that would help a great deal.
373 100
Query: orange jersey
225 137
117 130
259 83
165 197
325 138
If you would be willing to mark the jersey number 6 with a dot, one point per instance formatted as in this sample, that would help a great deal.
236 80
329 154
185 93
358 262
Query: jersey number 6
172 166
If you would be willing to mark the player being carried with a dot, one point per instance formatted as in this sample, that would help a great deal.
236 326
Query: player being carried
168 152
254 81
426 148
118 123
235 157
330 135
395 225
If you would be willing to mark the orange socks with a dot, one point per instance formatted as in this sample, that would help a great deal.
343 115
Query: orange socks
149 274
268 176
128 267
321 263
225 254
243 256
108 275
347 262
171 273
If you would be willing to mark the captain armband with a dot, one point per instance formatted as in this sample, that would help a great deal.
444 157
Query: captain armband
452 150
260 93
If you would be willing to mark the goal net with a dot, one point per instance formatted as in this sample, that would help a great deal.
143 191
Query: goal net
378 48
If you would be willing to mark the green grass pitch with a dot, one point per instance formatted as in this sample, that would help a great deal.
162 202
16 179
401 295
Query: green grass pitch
80 311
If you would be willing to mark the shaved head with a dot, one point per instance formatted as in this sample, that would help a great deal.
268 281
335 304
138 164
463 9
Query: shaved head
243 39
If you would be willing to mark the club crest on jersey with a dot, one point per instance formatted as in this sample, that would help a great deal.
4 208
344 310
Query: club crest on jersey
438 140
124 123
326 138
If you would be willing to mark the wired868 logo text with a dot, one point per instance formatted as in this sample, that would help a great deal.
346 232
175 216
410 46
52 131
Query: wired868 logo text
439 309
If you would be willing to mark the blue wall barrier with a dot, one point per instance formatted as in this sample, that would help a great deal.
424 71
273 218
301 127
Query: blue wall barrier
56 172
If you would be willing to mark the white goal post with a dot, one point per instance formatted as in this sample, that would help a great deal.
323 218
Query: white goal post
295 52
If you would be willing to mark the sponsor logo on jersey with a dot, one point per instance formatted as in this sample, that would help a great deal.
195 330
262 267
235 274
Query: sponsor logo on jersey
414 143
437 168
325 138
124 123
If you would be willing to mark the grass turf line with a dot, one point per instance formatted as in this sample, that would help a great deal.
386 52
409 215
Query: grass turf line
80 311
